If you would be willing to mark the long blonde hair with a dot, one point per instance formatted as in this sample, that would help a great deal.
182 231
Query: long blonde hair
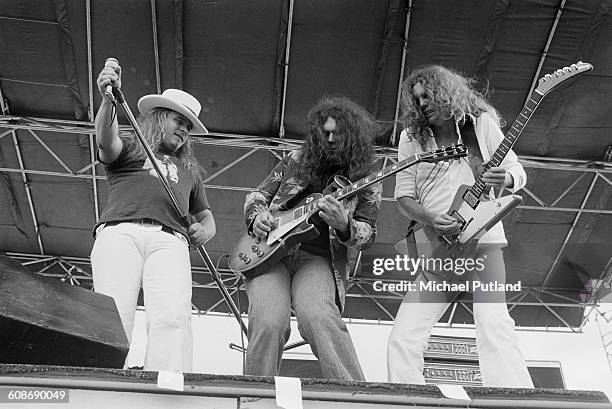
452 94
152 126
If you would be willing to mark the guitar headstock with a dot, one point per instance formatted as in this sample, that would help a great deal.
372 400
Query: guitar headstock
443 154
550 81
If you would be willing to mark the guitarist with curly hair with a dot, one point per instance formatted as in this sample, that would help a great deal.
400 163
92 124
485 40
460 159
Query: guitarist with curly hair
442 108
313 275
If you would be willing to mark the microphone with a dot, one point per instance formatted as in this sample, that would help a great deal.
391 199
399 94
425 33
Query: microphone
114 64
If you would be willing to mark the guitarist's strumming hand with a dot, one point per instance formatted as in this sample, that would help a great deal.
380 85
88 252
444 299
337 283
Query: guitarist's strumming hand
263 224
444 224
332 212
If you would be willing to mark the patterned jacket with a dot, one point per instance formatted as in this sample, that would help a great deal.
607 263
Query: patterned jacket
282 184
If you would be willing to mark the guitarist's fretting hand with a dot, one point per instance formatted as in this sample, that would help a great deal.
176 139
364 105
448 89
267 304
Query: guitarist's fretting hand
498 179
263 224
332 212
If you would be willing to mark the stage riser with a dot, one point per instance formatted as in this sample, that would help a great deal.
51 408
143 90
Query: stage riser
111 388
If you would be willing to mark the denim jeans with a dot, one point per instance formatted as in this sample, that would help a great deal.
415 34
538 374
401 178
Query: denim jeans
128 255
501 361
308 281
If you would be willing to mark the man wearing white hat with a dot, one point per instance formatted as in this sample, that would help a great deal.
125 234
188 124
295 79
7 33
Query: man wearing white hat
140 239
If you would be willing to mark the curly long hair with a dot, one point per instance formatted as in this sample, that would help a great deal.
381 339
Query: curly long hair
355 130
152 125
452 94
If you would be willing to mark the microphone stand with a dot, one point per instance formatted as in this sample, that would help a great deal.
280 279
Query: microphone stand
183 217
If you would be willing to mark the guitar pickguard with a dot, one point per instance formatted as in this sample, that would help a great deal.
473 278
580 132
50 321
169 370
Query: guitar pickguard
277 234
476 221
485 216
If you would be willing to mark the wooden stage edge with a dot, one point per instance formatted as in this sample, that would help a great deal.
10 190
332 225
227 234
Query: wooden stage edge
123 388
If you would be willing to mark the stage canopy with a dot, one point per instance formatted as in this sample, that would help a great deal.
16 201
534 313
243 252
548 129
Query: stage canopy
257 67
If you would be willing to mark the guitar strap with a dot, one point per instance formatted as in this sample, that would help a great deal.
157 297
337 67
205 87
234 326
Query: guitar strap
468 135
475 160
411 244
292 201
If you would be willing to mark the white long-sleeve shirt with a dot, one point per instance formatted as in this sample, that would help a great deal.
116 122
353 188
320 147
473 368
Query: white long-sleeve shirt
434 185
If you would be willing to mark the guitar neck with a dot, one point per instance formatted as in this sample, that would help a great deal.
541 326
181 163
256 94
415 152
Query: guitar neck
376 177
509 140
361 184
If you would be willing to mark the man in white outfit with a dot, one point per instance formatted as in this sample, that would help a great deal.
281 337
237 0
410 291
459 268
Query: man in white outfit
441 108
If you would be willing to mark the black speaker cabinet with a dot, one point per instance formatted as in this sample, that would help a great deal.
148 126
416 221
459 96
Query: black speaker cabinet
47 322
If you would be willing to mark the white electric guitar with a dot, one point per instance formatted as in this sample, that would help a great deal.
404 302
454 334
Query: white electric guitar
475 215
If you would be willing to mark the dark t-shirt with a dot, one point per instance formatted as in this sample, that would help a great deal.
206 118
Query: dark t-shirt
135 191
319 245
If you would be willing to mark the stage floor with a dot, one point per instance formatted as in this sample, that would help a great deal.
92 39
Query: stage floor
114 388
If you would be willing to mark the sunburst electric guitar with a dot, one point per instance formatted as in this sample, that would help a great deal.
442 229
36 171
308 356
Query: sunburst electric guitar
251 256
477 215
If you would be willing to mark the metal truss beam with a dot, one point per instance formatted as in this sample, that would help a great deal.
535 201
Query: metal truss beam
90 88
281 126
449 322
534 196
51 152
551 35
602 287
5 133
81 269
231 165
393 14
217 303
375 301
604 326
80 265
273 145
548 306
401 76
278 147
571 230
80 175
155 47
276 144
284 144
26 184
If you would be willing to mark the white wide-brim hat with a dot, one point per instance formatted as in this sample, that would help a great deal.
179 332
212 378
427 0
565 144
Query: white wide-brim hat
176 100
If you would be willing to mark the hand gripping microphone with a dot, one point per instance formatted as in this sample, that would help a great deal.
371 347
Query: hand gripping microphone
114 64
